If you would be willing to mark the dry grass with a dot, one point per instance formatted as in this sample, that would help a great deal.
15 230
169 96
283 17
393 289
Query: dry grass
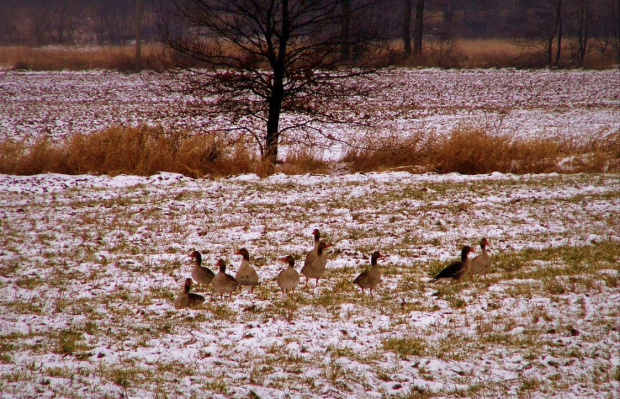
130 150
473 151
302 161
498 53
457 53
391 152
146 150
121 58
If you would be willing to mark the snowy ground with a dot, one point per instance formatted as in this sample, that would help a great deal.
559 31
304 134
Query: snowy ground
568 104
89 267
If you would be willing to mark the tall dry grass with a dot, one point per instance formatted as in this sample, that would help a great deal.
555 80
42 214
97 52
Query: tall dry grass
500 53
454 53
473 151
301 161
120 58
146 150
138 150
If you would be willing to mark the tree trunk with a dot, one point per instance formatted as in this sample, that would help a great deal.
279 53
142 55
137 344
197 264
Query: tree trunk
407 27
346 30
277 91
616 13
138 38
448 11
419 25
273 118
559 25
583 35
273 134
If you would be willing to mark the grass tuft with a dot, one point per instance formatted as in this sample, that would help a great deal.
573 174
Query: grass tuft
407 346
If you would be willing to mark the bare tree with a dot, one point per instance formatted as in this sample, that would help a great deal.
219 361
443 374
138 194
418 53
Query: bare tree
407 26
557 27
113 21
346 29
61 19
419 26
583 30
540 23
254 61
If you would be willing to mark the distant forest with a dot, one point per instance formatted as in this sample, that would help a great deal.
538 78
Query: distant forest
579 28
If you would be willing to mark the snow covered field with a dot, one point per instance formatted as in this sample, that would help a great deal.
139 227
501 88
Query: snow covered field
89 267
568 104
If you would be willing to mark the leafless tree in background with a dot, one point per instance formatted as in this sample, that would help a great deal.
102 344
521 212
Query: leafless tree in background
406 34
584 21
261 59
418 27
551 32
113 21
60 19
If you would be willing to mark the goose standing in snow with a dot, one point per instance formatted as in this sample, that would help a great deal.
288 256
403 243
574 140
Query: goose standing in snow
200 274
288 278
370 278
246 275
458 269
224 283
481 264
311 256
316 268
187 299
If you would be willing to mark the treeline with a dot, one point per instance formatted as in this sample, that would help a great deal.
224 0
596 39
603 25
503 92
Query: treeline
549 32
60 22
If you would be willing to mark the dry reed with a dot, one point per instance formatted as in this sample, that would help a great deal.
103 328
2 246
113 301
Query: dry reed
473 151
146 150
137 150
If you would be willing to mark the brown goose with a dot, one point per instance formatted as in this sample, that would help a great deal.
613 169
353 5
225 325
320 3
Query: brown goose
316 268
458 269
481 264
288 278
311 256
200 274
187 299
246 275
224 283
370 278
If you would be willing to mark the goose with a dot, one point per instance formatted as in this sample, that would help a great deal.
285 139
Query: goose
370 278
246 275
224 283
311 256
481 264
288 278
200 274
187 299
458 269
316 268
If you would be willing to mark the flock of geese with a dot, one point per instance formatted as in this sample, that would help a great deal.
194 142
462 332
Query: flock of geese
314 268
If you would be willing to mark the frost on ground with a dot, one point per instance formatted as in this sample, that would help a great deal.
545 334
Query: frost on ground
89 267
